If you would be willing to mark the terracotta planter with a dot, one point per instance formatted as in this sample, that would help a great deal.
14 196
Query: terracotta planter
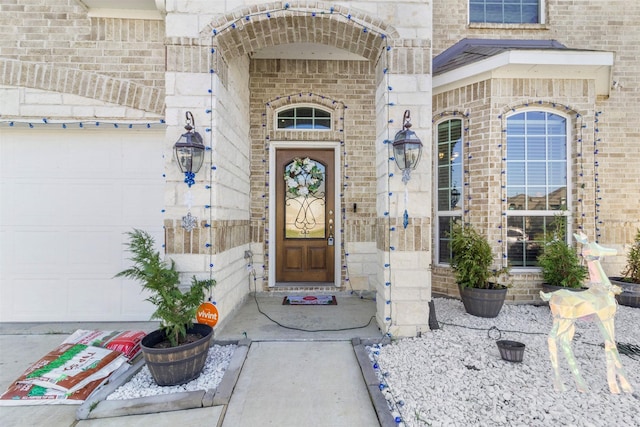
177 365
630 295
482 302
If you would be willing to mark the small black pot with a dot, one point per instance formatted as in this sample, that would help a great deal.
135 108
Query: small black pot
511 351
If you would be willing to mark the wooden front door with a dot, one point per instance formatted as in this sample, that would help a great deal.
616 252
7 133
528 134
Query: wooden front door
305 215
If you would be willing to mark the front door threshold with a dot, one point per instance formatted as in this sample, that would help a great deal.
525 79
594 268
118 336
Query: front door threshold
304 285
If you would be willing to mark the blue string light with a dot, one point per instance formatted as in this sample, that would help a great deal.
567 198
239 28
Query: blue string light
287 8
189 178
52 122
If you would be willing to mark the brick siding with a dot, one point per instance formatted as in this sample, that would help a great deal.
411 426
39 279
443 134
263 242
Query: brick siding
59 48
333 85
593 25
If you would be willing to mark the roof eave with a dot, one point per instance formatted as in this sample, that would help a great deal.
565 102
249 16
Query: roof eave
125 9
533 63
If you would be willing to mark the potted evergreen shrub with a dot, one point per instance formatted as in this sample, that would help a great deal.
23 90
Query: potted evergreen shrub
630 279
559 262
481 293
561 267
177 351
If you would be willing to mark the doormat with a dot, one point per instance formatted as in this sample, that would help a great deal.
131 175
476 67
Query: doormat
310 300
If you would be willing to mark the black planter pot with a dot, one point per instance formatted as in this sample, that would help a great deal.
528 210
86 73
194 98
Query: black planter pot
552 288
176 365
511 351
630 295
482 302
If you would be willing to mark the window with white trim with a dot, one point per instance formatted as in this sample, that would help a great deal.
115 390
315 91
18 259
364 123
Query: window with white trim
304 118
506 11
537 183
449 183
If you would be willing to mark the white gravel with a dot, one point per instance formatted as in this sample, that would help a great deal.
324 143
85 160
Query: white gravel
143 385
455 376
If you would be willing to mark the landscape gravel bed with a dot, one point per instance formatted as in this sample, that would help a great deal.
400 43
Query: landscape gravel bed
143 385
454 376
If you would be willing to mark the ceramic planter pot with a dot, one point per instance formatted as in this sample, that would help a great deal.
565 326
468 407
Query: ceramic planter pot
552 288
482 302
630 295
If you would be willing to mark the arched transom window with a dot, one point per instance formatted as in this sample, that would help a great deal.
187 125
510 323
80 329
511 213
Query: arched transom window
304 118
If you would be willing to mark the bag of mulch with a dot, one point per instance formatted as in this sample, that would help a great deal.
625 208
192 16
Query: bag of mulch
126 342
68 374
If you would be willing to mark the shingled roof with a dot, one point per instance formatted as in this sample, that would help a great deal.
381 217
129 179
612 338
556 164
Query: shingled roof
468 51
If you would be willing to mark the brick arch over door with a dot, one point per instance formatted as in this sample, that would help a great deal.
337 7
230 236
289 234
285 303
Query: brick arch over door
297 25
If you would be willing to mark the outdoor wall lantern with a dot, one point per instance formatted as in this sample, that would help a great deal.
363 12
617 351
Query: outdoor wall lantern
455 197
189 151
407 148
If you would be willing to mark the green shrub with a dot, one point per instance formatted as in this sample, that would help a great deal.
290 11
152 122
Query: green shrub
175 309
471 258
561 266
631 271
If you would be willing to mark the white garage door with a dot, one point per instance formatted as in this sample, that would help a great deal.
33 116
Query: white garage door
67 198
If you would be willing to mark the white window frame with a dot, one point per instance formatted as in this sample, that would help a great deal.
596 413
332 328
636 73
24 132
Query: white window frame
568 212
447 213
303 105
541 15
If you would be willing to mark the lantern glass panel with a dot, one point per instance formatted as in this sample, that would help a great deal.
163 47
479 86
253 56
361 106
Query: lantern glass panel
412 154
407 153
198 159
184 158
398 153
189 152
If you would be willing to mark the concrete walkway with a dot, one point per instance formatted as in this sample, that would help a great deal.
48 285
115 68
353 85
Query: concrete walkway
300 384
299 371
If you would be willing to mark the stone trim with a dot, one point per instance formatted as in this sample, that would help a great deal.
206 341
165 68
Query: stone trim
82 83
358 230
188 58
410 56
221 235
415 238
188 55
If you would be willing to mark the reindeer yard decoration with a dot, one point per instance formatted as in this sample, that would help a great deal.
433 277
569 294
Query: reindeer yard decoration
597 303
